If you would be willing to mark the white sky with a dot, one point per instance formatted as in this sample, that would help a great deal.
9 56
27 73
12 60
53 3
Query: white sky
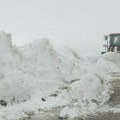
79 24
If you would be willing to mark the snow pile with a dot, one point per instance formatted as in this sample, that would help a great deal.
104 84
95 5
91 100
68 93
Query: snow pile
87 94
36 65
33 106
42 60
33 71
68 112
113 57
91 82
36 76
7 52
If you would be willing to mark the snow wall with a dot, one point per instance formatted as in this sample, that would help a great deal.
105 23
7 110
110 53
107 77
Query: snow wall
27 71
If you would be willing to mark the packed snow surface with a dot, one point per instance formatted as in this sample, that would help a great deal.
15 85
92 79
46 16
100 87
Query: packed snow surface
36 77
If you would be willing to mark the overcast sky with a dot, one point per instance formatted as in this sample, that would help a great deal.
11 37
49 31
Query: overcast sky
79 24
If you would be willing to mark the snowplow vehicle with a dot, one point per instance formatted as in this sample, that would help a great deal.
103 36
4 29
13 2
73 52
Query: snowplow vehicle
112 43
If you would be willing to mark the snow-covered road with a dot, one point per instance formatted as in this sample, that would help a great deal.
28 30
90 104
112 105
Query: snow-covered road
53 115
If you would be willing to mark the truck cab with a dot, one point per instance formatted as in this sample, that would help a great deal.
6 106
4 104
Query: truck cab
112 42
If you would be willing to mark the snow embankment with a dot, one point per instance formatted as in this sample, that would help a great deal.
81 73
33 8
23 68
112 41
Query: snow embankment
113 57
36 76
42 60
34 71
94 88
8 53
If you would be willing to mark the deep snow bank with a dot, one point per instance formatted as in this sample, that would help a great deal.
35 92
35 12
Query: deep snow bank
5 42
8 52
42 60
113 57
94 88
37 70
29 70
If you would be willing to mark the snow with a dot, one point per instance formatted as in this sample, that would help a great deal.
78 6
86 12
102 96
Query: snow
36 70
68 112
113 57
91 82
32 106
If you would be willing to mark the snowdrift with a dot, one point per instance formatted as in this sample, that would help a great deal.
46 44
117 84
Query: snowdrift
113 57
8 53
36 70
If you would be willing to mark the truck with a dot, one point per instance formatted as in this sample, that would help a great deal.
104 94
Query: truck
112 43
